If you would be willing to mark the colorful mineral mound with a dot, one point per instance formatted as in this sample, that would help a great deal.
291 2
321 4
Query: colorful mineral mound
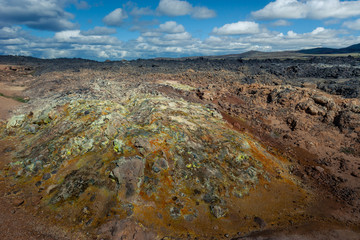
165 164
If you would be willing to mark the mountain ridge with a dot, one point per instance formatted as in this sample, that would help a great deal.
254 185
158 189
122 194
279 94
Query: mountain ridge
355 48
351 49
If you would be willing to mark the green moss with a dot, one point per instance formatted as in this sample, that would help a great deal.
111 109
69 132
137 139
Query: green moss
20 99
16 98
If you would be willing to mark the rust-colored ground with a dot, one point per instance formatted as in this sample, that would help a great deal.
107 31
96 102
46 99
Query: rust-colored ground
323 212
7 105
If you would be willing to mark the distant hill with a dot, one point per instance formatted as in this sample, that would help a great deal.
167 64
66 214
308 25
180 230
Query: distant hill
284 54
352 49
290 54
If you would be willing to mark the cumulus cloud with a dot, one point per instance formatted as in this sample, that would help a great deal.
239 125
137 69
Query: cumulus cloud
167 45
69 43
38 14
241 27
169 39
99 31
282 9
86 51
171 27
354 25
151 34
202 13
174 8
156 43
76 37
312 9
11 32
159 44
115 18
178 36
280 23
275 41
169 34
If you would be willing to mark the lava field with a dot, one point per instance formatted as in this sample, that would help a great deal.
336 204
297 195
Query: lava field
195 148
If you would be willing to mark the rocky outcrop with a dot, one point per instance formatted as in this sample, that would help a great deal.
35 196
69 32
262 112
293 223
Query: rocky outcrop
151 157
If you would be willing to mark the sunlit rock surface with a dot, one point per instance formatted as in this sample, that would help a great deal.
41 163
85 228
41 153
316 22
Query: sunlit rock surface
172 167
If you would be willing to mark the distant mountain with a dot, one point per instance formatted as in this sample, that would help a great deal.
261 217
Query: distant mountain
290 54
352 49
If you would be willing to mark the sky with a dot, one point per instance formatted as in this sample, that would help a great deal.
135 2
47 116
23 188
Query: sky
115 29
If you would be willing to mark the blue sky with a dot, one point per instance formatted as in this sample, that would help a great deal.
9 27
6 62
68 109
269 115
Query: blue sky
104 29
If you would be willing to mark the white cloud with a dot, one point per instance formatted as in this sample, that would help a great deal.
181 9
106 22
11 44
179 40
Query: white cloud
275 41
115 18
241 27
11 32
319 30
291 34
282 9
11 42
202 13
354 25
37 14
171 27
151 34
76 37
99 31
280 23
169 35
317 35
224 45
166 41
167 28
175 8
96 44
178 36
70 43
67 36
312 9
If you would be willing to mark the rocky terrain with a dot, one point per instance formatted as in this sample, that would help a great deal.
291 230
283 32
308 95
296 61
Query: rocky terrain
180 149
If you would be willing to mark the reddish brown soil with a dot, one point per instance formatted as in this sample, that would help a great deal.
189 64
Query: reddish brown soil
17 223
6 106
12 84
326 157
